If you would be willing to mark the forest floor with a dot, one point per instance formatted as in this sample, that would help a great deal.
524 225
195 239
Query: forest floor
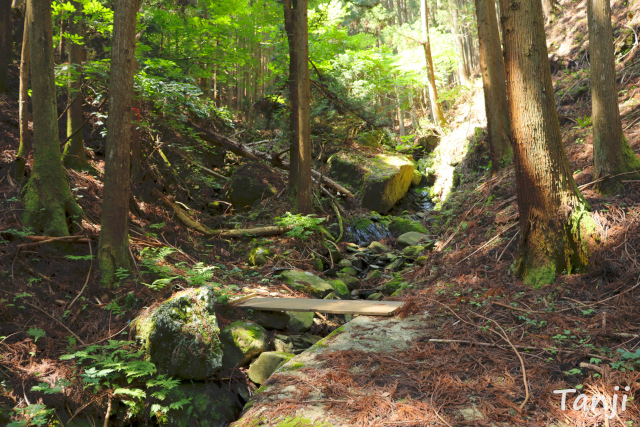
582 332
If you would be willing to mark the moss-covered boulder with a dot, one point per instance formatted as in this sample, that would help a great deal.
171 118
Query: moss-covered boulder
380 181
251 183
304 281
242 341
258 256
210 406
180 336
266 364
399 226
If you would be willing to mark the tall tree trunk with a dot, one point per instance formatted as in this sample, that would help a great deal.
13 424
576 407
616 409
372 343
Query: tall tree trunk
114 235
493 79
295 13
554 221
50 208
463 69
5 44
23 105
74 155
611 151
438 115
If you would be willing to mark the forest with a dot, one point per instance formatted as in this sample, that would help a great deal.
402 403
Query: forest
319 213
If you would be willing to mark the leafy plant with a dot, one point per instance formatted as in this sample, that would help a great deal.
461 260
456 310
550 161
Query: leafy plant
303 225
36 333
119 366
583 122
34 414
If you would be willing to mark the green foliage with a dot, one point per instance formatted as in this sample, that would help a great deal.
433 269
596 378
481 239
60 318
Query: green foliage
583 122
119 366
303 225
36 333
33 415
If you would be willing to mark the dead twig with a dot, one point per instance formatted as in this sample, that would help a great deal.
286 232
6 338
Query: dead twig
86 282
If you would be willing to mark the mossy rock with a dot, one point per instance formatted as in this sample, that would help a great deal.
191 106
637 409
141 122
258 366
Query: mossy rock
380 181
364 231
243 341
180 336
304 281
349 280
399 226
371 139
393 285
379 248
251 182
413 238
258 256
300 321
271 319
416 178
413 252
265 365
340 288
210 406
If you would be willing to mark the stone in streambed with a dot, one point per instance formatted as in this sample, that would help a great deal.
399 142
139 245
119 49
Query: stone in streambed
413 238
243 341
265 365
304 281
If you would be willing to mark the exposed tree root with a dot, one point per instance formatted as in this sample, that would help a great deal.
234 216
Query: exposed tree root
222 234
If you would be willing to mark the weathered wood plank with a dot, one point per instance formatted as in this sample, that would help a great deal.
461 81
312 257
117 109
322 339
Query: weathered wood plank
362 307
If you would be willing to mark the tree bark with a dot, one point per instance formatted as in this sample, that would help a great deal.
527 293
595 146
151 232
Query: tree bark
436 109
554 223
74 155
295 15
50 208
23 104
114 240
611 151
463 69
493 79
5 44
549 9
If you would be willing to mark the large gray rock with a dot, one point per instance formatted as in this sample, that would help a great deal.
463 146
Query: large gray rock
266 364
180 336
304 281
210 406
251 183
243 341
380 181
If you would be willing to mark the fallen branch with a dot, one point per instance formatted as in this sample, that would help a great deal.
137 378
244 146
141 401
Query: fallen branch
199 166
40 240
241 150
185 219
